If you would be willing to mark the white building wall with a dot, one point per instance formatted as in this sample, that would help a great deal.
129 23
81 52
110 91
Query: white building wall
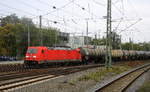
78 41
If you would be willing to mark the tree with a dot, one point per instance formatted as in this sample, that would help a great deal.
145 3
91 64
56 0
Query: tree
11 19
99 41
7 39
116 40
14 35
136 46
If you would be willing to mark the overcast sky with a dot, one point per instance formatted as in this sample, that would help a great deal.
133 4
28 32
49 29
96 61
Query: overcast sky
130 18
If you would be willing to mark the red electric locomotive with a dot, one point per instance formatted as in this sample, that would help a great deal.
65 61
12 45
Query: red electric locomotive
47 55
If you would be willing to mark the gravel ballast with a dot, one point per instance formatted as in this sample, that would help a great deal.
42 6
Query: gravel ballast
67 83
60 84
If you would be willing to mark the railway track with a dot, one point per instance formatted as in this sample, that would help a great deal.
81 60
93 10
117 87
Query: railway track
7 68
121 83
12 67
15 80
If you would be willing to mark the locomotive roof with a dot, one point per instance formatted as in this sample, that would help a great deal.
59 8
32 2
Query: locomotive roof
59 48
54 47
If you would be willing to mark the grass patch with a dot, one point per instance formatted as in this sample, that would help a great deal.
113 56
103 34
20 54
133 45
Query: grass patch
72 82
103 72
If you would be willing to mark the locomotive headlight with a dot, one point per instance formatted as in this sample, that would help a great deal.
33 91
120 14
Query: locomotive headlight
27 56
34 56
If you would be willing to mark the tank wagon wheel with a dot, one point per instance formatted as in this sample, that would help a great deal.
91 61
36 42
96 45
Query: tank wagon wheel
85 60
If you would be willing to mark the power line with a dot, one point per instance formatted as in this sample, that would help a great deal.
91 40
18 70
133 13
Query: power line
5 5
41 10
6 12
118 24
24 3
130 25
133 7
101 4
122 6
60 8
2 15
54 7
84 9
117 8
62 24
42 2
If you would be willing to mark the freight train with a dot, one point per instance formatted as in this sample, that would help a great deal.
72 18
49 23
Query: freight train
49 55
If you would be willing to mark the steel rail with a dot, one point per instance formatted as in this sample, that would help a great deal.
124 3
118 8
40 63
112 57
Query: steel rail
146 67
44 76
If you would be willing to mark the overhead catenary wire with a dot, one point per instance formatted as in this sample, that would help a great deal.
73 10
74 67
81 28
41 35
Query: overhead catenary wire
122 6
75 19
118 9
101 4
61 8
62 18
42 2
25 11
123 15
54 7
85 10
122 12
26 4
67 19
130 26
62 24
10 7
116 28
133 8
7 12
57 9
2 15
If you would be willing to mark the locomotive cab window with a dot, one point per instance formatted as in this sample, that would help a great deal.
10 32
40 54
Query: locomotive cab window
32 50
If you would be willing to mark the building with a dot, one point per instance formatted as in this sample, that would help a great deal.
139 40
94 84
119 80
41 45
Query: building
79 41
63 38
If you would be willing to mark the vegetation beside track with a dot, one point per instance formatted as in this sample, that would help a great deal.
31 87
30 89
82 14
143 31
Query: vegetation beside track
104 73
145 87
101 74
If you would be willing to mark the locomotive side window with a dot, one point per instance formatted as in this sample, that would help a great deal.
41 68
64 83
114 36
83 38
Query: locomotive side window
32 50
42 51
50 48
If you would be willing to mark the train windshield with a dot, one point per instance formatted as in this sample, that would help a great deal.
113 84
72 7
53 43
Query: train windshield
32 50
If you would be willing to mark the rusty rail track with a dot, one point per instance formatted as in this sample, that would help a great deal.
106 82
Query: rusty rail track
25 78
123 81
21 67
